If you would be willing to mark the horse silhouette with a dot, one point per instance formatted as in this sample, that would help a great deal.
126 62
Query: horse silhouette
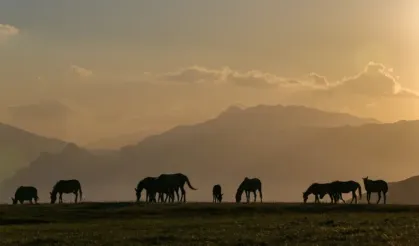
172 183
149 185
319 190
25 193
249 185
375 186
217 196
339 187
66 187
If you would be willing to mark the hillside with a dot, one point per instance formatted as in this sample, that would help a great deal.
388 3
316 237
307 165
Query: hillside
286 156
400 192
118 142
19 147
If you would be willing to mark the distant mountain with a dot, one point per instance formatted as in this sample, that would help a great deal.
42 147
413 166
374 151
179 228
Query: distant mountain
288 148
119 141
400 192
19 147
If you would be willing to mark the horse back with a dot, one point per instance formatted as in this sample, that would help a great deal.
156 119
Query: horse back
26 193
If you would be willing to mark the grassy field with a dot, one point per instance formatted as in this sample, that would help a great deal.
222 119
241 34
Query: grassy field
208 224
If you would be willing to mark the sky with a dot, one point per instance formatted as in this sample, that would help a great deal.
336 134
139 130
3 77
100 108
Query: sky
83 70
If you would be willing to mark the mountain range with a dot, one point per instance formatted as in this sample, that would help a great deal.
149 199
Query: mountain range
287 147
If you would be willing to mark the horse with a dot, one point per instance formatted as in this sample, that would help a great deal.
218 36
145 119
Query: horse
173 182
375 186
66 187
339 187
249 185
148 184
319 189
217 196
25 193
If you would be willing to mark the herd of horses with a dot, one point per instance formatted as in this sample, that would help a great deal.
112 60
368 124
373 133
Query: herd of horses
166 186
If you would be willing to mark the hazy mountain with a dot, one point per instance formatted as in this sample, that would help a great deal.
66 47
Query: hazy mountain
119 141
400 192
261 141
19 147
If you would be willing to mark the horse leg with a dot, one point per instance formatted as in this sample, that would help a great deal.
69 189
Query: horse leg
183 192
385 197
368 197
61 198
177 195
379 197
260 194
76 194
254 196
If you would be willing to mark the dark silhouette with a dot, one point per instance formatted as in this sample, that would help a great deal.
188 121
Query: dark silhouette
249 185
66 186
339 187
25 193
377 186
319 191
170 183
217 196
149 185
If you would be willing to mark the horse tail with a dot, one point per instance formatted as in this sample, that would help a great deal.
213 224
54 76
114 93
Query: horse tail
360 191
189 183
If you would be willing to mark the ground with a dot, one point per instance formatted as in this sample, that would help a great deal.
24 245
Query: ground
208 224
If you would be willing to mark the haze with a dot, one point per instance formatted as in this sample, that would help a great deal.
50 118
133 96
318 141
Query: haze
85 70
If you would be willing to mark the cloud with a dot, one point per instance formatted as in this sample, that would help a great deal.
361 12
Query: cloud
252 78
7 31
80 71
376 80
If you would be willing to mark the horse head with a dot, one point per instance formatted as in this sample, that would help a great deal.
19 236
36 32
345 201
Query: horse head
305 196
239 196
53 197
220 197
138 194
14 200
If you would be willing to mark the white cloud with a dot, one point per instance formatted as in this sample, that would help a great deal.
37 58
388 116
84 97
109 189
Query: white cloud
375 80
80 71
7 31
252 78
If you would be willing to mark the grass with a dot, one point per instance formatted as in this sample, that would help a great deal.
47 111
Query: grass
208 224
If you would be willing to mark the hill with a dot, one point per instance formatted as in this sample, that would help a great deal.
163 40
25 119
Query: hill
19 147
119 141
400 192
286 156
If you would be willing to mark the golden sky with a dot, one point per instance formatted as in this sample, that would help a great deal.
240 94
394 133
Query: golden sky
103 68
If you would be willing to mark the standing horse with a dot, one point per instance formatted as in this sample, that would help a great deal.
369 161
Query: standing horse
339 187
217 196
147 184
249 185
375 186
318 189
174 182
66 187
25 193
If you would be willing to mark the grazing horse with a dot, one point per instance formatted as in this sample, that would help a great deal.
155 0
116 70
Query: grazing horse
25 193
318 189
339 187
66 187
375 186
148 184
172 183
217 196
249 185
